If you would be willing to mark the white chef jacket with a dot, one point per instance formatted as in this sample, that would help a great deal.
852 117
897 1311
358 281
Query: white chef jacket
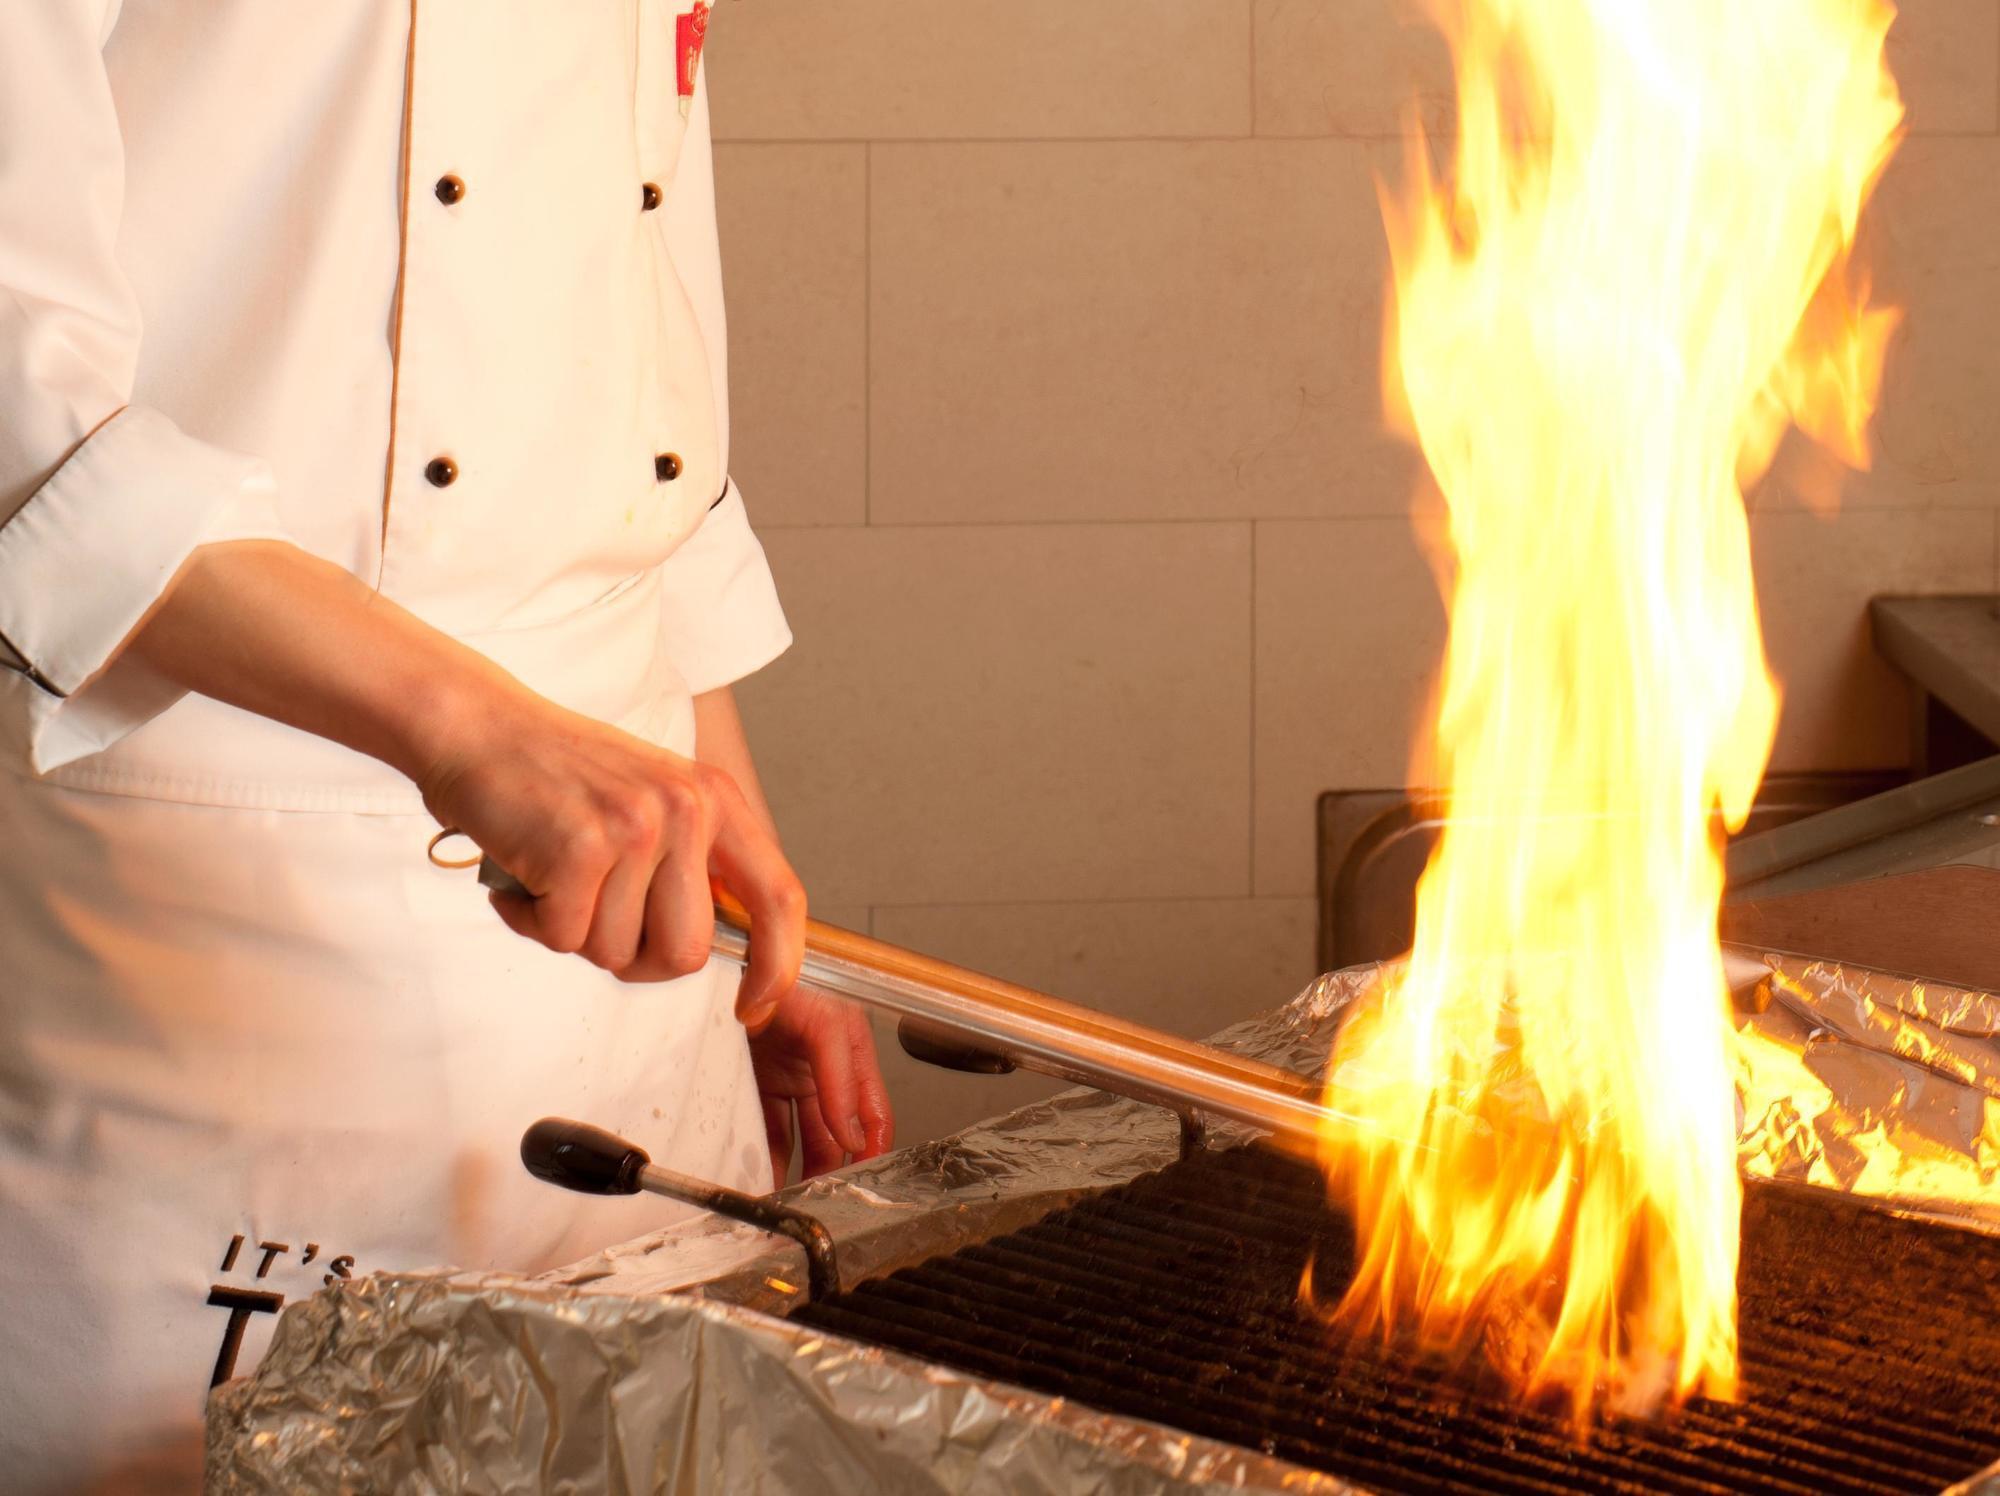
277 270
431 288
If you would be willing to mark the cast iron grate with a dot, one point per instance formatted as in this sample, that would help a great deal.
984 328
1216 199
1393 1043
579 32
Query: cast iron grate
1871 1345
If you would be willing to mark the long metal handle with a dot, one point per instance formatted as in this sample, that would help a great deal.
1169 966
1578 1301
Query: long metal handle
1033 1030
1055 1038
1047 1035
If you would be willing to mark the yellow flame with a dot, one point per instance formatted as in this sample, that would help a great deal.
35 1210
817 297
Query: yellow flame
1632 281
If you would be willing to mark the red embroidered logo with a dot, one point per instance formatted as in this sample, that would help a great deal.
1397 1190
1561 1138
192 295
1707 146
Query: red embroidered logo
690 30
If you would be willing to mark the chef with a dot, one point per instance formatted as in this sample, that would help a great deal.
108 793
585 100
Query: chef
363 470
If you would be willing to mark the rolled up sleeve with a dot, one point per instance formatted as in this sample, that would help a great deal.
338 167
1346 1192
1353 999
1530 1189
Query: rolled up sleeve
722 620
101 500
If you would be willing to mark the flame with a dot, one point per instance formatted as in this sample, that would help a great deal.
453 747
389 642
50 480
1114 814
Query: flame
1633 281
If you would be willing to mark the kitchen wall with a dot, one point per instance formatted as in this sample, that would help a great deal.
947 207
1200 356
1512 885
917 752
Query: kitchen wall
1055 346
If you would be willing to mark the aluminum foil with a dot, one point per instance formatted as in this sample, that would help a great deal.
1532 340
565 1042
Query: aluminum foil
994 1177
1875 1085
602 1377
437 1383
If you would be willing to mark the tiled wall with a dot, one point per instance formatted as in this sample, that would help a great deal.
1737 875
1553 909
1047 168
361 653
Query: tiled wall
1055 332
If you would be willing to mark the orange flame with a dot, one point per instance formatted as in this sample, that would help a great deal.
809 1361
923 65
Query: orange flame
1633 281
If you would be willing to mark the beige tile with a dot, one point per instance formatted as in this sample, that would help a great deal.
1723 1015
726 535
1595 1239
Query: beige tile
1931 241
1945 55
1349 632
1187 966
1844 708
1338 67
903 69
1130 330
1011 712
793 222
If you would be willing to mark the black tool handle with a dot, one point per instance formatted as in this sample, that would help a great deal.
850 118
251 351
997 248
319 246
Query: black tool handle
936 1044
580 1157
583 1158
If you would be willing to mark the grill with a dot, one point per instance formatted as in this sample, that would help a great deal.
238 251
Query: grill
1870 1344
1148 1337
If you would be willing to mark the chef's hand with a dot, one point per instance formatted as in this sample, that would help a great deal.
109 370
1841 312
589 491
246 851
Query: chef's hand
618 840
619 837
815 1057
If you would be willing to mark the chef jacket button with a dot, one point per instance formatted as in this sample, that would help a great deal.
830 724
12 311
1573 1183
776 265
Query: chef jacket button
442 472
667 466
449 190
649 197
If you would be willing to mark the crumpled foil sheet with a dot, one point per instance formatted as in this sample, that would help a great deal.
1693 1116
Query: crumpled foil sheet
602 1378
1875 1085
452 1384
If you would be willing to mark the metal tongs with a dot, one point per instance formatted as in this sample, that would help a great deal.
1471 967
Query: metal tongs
968 1021
954 1017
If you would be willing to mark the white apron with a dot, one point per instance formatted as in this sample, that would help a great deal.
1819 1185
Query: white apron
246 1052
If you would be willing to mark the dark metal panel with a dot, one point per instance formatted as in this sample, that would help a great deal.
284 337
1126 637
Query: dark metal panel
1374 844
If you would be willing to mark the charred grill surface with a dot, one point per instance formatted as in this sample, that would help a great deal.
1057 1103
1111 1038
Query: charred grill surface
1871 1345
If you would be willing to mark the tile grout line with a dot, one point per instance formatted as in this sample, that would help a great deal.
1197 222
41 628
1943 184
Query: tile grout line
1250 872
1135 521
894 141
1250 15
1109 903
1373 517
1355 137
868 334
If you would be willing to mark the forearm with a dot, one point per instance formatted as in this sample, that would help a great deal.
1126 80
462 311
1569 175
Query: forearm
269 628
720 741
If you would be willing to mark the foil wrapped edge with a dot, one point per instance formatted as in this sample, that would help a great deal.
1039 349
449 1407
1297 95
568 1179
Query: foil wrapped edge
448 1383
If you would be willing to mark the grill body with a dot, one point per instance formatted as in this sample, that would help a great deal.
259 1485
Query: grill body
1870 1345
1165 1317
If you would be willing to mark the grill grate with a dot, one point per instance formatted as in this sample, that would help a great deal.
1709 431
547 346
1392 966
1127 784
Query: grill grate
1871 1345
